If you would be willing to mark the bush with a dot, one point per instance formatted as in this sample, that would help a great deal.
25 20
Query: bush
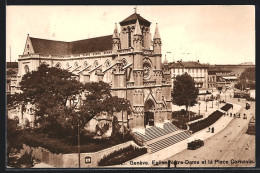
121 156
212 118
69 144
26 160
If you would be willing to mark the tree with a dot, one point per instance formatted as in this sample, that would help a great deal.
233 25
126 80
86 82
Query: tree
13 137
59 104
184 91
247 78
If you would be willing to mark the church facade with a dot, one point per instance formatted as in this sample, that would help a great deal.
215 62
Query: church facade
129 60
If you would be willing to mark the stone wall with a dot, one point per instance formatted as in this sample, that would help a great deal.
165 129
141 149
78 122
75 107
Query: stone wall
71 160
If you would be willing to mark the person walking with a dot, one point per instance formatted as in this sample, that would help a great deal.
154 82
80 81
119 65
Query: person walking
169 163
175 163
247 146
212 130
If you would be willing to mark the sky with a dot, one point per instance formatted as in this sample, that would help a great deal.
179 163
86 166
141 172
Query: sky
211 34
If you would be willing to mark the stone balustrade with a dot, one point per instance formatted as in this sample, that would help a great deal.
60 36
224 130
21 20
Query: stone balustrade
66 56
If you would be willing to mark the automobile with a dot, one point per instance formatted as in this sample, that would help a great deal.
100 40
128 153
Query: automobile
247 105
195 144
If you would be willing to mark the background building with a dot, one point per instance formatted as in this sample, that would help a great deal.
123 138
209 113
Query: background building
198 71
11 74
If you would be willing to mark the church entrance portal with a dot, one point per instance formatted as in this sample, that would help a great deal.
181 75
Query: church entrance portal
149 113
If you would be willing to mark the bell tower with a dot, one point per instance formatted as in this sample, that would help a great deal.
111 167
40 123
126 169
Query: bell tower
128 29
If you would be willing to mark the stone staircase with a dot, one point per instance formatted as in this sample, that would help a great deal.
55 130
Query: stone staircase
171 140
167 136
155 132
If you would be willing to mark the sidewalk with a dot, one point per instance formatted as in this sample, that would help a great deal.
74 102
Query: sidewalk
177 148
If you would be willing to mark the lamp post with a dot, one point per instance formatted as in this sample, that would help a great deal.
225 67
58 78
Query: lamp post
123 121
199 108
80 99
212 99
206 105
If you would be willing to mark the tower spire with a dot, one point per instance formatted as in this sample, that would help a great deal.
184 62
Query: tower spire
156 34
115 34
137 28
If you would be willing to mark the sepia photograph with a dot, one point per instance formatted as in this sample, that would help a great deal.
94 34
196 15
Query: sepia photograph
130 86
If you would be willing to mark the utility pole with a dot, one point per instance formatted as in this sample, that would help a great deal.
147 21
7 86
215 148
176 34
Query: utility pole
10 54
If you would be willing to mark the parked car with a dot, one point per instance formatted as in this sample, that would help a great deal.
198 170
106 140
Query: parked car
247 105
195 144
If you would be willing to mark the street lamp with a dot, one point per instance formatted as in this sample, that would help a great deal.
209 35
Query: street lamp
80 100
199 107
206 105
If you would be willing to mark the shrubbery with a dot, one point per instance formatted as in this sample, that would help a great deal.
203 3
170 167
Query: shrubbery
69 145
212 118
121 156
226 107
180 119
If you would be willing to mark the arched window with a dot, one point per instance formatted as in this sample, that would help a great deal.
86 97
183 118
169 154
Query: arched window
108 63
129 37
95 63
147 70
68 64
124 61
85 64
26 69
58 65
76 64
143 33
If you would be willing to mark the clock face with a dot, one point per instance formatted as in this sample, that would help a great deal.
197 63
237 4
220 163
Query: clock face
147 70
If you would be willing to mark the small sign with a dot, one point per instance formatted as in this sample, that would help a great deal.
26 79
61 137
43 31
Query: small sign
87 159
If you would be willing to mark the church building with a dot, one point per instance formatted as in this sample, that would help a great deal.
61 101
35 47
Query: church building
129 60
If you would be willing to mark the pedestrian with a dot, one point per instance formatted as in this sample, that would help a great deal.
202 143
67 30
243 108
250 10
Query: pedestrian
212 130
209 129
247 146
169 163
175 163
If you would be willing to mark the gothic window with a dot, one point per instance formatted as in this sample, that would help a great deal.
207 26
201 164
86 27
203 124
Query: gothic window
143 32
28 46
26 69
129 37
124 61
108 63
95 63
58 65
147 70
76 64
85 64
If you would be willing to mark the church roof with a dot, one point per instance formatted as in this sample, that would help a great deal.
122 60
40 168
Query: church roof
50 46
132 20
92 45
53 47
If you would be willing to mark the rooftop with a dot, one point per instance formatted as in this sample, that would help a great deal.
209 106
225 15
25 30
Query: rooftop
52 47
11 64
132 20
187 64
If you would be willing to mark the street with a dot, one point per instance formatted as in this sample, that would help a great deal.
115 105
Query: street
225 149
